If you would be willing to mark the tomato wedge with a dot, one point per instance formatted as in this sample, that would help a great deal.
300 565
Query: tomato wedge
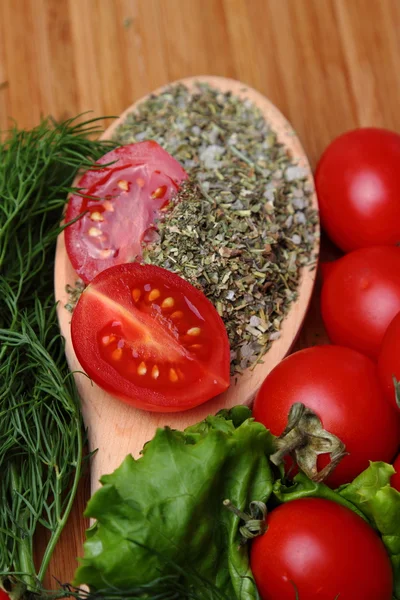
150 338
125 199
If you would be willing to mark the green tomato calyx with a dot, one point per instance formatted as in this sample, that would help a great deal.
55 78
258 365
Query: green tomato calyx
305 439
254 523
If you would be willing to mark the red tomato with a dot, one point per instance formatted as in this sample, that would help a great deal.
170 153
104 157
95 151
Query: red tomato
361 296
389 360
342 387
395 480
358 188
125 199
324 551
4 595
148 337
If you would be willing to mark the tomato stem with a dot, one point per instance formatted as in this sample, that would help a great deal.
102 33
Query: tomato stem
305 438
254 523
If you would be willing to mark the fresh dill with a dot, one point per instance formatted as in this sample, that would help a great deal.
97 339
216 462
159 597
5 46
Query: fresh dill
41 429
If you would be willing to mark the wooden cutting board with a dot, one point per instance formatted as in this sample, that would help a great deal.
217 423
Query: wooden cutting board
115 428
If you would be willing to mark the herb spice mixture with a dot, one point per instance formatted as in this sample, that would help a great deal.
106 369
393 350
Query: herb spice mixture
243 227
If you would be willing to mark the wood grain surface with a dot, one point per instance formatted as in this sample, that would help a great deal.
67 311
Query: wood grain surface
328 65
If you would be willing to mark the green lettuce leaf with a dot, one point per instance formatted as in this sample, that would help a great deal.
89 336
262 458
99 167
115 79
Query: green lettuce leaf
167 506
302 487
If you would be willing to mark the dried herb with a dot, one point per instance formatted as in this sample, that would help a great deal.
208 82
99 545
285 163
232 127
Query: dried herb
243 227
74 292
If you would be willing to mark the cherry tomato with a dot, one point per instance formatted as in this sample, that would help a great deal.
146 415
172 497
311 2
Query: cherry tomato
148 337
361 296
389 360
342 387
395 480
323 551
358 189
125 199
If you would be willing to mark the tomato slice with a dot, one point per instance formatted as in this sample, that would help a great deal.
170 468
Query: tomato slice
125 199
150 338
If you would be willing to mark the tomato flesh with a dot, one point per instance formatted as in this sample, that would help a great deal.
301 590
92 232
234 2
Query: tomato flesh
323 551
150 338
389 360
358 188
361 296
126 198
342 387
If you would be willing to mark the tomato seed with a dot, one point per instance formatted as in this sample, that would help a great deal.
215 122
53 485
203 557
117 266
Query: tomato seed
108 339
117 354
195 347
168 302
136 294
142 369
155 372
194 331
108 205
160 192
123 185
96 216
178 314
94 232
173 375
106 253
140 182
154 294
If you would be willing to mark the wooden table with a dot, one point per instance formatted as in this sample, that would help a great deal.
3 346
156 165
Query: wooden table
329 65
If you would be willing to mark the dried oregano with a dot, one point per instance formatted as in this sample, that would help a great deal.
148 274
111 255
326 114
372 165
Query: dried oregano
243 226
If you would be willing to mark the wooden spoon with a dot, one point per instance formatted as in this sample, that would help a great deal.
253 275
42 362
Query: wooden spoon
117 429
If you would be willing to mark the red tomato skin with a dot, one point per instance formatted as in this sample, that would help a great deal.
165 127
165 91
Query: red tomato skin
395 480
91 314
360 297
342 387
358 189
323 550
389 360
132 213
325 268
4 595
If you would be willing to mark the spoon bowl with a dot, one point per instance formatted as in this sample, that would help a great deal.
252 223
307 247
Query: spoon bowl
117 429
